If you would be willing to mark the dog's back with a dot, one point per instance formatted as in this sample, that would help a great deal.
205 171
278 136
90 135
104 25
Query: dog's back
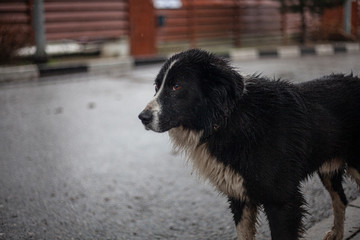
334 102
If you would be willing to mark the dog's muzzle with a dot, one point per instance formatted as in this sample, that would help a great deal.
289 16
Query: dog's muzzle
146 117
150 116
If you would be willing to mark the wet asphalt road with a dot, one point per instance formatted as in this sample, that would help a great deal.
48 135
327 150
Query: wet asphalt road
76 163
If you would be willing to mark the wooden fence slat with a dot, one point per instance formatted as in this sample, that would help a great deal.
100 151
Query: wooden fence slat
84 6
84 16
85 26
94 35
13 7
18 18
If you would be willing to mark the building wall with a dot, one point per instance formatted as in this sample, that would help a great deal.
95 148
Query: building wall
86 20
15 14
213 23
197 23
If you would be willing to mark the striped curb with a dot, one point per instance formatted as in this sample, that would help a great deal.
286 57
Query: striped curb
110 66
121 66
25 72
294 51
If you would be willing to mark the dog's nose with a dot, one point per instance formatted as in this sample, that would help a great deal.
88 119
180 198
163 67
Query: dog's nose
145 117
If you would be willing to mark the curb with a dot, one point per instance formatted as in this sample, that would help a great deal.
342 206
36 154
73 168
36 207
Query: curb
110 66
276 52
121 66
150 60
352 224
25 72
293 51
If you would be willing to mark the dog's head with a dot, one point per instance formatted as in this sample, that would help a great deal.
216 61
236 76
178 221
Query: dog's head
195 90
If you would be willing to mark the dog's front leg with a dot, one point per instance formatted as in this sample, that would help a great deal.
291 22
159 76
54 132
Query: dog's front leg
245 218
285 218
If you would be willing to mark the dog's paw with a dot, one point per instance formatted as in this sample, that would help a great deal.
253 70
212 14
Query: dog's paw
333 235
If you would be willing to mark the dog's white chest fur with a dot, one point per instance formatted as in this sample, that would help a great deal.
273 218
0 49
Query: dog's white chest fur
223 177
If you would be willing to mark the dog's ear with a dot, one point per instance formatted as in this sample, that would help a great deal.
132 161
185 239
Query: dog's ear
224 87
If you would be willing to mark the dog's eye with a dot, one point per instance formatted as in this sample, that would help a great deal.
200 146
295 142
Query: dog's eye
156 87
176 87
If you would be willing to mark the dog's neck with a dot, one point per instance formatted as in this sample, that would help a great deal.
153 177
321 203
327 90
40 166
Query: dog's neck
207 166
185 139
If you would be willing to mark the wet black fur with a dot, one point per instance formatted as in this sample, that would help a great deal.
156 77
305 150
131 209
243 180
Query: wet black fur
272 132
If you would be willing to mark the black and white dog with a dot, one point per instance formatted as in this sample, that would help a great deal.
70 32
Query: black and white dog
256 139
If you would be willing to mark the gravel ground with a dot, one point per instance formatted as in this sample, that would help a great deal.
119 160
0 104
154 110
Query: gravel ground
76 163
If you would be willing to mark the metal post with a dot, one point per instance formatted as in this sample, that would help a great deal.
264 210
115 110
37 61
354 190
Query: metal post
39 29
347 17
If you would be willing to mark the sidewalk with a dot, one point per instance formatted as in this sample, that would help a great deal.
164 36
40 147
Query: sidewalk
115 66
352 224
122 66
327 49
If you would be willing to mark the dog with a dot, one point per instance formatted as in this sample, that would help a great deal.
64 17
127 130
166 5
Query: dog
257 139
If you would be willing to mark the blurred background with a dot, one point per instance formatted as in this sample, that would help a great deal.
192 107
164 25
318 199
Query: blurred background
143 28
76 163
